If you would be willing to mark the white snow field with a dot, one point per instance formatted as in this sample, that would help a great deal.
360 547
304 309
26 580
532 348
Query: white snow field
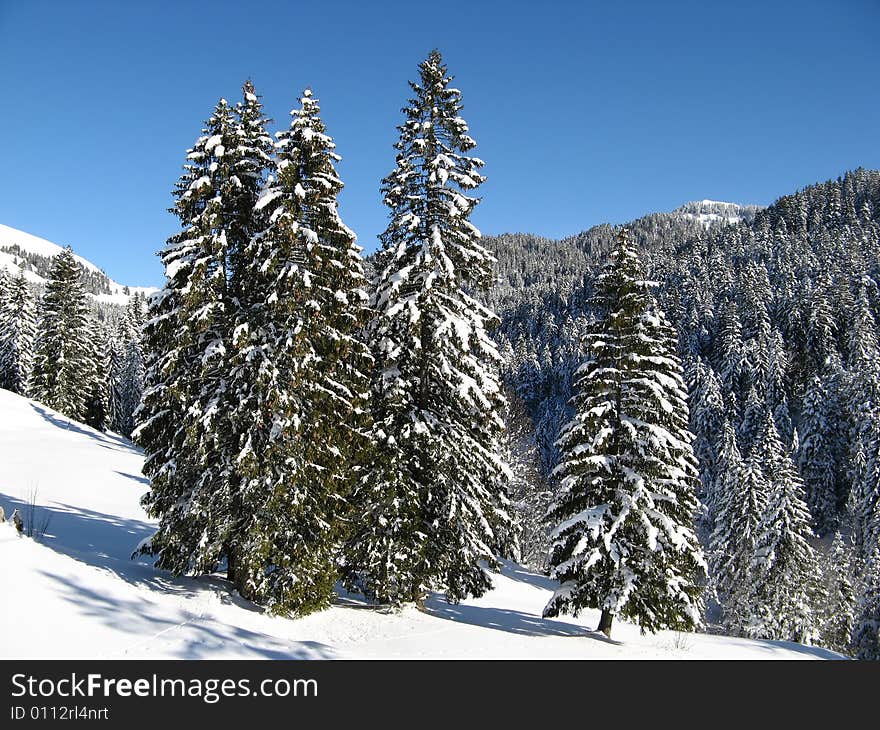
75 592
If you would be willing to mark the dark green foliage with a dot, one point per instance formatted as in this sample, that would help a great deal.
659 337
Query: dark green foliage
17 328
63 367
183 422
431 501
624 540
298 377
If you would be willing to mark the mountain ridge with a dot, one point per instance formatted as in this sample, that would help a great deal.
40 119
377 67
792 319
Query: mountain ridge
32 255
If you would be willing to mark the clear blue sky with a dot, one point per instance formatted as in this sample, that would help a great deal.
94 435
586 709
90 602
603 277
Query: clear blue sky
585 112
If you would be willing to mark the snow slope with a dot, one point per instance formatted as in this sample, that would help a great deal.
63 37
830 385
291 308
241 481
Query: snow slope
709 212
75 593
34 244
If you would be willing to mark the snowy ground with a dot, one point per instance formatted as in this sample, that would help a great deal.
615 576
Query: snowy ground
75 593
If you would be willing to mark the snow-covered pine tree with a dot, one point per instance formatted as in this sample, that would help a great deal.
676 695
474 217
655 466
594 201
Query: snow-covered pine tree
253 161
729 353
97 405
866 632
530 493
63 350
784 569
431 501
127 366
131 384
624 541
752 420
299 376
837 612
114 400
815 457
706 423
740 502
864 500
820 325
17 327
183 421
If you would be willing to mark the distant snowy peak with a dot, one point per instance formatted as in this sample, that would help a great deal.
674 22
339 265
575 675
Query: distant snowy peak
32 255
709 212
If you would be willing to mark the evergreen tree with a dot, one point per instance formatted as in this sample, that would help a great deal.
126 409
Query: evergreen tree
706 423
784 567
184 422
97 404
866 633
431 501
624 541
131 385
730 358
752 421
127 367
815 457
298 377
63 350
114 399
836 614
17 327
820 327
740 502
865 496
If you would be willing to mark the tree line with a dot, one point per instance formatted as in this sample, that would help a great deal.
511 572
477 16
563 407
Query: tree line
59 346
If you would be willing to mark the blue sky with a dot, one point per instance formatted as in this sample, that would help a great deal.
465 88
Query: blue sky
584 112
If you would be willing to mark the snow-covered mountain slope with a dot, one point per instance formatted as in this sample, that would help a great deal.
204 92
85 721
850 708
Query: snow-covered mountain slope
21 251
709 212
75 592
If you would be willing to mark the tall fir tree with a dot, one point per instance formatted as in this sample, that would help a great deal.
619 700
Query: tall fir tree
17 329
431 501
864 499
816 458
184 423
298 376
624 541
730 356
62 370
784 569
740 502
97 404
706 422
836 614
866 632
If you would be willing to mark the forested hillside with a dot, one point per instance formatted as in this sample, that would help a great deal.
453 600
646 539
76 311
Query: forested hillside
776 319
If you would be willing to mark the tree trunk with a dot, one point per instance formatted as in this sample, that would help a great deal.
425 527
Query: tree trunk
605 622
233 574
230 564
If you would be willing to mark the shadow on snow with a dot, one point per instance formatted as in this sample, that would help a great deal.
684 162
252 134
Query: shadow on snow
105 440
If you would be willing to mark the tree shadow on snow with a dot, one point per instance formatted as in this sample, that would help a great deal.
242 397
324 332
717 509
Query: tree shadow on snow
107 541
96 538
819 652
185 629
134 477
514 622
105 440
517 572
